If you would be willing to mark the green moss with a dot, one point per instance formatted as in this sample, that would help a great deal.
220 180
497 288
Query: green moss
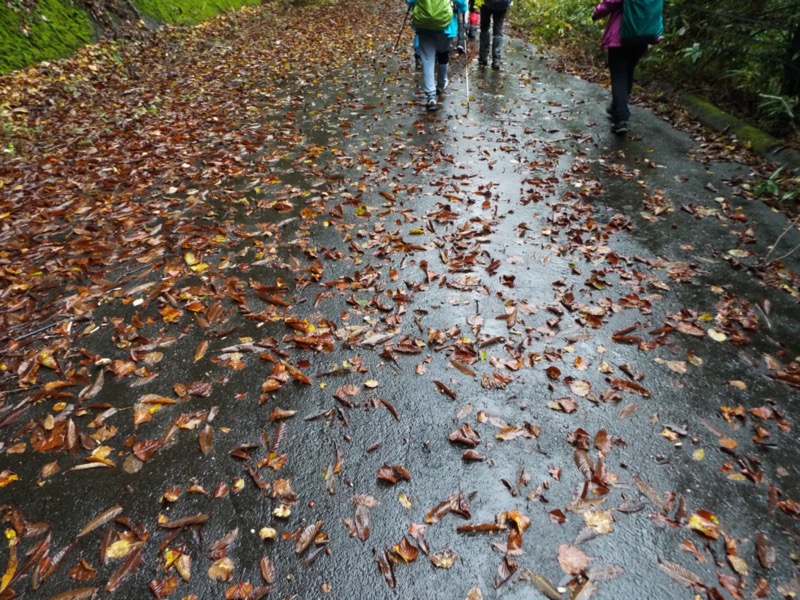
55 29
188 11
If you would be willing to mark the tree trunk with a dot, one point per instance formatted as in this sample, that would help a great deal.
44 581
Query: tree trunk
790 82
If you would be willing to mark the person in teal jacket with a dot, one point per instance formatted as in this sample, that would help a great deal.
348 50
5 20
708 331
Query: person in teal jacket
434 47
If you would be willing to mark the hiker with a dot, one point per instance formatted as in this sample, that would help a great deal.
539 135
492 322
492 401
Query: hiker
461 37
622 60
435 24
493 13
474 20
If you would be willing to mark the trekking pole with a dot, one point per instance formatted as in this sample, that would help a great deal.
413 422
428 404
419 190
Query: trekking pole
408 12
466 68
466 71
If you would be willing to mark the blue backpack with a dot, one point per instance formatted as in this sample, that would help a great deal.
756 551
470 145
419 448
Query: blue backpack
642 21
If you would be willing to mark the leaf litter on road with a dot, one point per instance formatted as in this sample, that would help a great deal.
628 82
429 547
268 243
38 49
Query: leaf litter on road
155 248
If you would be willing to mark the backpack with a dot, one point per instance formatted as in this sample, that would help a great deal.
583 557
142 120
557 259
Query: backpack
497 4
432 15
642 21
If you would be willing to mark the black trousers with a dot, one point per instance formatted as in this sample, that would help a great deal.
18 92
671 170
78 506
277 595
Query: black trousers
493 18
622 63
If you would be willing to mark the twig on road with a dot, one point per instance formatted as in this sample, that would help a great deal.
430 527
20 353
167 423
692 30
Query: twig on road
791 225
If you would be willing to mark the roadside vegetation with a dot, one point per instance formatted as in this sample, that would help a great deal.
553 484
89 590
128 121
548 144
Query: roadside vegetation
743 56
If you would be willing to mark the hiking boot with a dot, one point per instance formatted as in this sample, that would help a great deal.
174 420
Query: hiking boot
497 65
620 127
431 104
483 63
441 88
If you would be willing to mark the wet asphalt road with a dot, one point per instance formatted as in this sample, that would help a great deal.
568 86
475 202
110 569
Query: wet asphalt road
519 221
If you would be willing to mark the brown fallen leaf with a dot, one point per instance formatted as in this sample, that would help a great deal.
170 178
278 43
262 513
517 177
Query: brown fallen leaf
472 456
474 594
689 546
650 493
85 593
162 588
267 570
307 536
572 559
386 567
583 591
481 528
393 473
130 566
705 522
185 521
206 439
765 550
406 551
202 347
101 520
446 389
456 503
443 558
281 413
466 436
679 573
629 386
221 569
543 585
584 463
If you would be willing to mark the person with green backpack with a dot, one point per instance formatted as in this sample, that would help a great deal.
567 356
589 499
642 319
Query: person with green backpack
631 26
435 26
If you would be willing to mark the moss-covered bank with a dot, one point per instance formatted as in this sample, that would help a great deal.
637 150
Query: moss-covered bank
55 28
52 30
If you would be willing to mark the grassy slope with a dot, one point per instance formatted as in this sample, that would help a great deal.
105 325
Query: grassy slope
57 27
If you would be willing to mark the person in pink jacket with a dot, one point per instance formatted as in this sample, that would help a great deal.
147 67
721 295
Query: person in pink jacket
622 61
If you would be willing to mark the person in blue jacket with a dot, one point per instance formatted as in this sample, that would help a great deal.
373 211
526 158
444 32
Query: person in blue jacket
434 47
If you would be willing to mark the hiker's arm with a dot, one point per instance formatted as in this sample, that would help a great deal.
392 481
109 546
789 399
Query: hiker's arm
605 8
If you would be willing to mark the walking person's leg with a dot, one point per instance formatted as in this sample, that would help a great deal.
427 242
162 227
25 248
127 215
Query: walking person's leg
618 68
485 39
635 54
427 52
461 40
498 16
442 59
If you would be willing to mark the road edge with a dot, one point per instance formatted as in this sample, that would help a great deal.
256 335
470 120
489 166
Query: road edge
760 142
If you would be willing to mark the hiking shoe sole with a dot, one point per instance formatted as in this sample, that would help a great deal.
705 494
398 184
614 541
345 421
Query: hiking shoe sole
620 128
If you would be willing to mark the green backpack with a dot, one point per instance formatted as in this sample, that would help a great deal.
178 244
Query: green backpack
642 21
432 15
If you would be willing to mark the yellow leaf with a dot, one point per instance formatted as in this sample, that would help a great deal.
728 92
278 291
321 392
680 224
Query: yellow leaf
717 336
7 477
